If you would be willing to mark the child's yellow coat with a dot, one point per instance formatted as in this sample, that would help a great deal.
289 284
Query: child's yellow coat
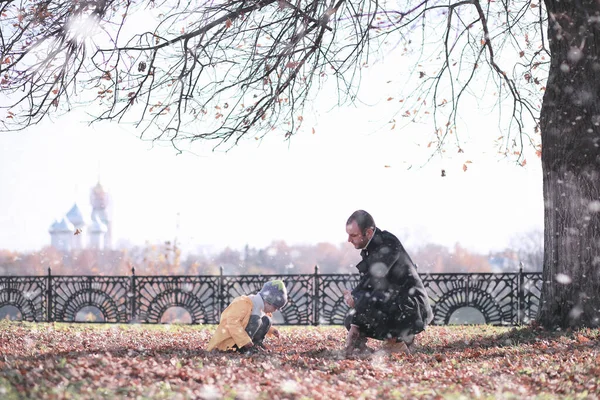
232 328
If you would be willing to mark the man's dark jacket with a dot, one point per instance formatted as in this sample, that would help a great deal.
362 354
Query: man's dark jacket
390 299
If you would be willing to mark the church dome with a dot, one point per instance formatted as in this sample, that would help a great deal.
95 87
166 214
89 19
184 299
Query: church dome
76 217
62 226
53 227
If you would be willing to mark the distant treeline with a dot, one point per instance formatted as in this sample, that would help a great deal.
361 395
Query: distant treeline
166 259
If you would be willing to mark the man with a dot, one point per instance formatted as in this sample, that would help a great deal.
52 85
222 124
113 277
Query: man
389 302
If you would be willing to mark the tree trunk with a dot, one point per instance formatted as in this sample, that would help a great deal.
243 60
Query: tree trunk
570 127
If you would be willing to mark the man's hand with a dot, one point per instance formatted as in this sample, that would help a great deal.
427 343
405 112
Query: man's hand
348 298
275 332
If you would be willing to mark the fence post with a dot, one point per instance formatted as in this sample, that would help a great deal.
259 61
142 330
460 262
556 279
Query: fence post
316 298
132 296
521 291
49 296
221 294
467 290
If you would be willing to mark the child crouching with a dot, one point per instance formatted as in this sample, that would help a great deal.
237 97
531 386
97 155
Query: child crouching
247 320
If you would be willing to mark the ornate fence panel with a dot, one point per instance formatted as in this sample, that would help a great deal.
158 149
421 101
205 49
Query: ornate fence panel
72 294
494 295
313 299
530 291
331 306
154 295
27 294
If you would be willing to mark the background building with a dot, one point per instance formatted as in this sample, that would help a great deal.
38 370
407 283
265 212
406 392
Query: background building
75 232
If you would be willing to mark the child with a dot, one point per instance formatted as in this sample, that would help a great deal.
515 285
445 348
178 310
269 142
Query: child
246 321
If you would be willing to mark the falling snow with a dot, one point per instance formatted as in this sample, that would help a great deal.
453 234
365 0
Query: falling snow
563 279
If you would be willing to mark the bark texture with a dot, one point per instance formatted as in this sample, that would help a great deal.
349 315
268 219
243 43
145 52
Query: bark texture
570 127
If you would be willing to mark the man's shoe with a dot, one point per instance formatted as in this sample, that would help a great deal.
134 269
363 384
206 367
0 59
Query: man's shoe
394 346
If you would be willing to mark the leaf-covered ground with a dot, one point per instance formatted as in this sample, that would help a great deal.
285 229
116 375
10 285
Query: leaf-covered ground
55 361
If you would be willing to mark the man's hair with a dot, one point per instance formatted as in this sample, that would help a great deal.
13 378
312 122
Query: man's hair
363 220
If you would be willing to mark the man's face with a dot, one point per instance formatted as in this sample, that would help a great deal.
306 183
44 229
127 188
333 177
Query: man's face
356 237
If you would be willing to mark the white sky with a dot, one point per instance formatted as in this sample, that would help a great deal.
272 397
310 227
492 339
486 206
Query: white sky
300 192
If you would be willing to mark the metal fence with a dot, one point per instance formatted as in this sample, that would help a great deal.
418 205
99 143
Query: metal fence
314 299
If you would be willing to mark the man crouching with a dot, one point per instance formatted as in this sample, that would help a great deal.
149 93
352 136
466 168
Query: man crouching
389 302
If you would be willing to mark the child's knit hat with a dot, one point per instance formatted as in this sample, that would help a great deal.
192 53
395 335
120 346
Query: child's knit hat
275 293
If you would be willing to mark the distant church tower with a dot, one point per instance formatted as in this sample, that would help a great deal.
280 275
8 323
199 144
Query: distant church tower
61 235
73 232
97 233
100 202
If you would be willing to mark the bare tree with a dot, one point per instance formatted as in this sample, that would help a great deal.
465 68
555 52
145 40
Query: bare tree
207 70
220 70
530 249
